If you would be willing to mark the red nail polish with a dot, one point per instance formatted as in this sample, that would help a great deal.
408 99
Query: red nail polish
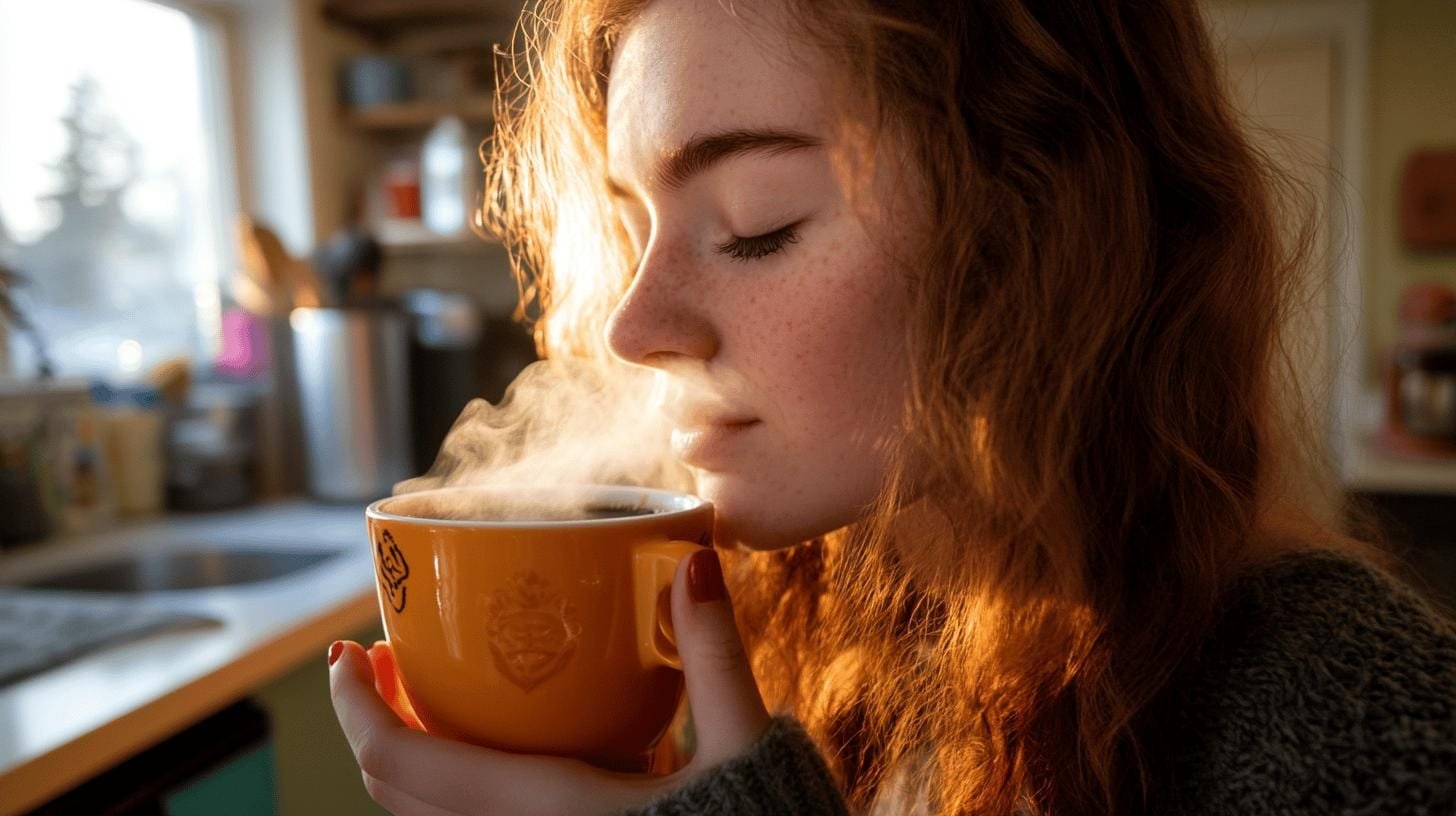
335 650
705 576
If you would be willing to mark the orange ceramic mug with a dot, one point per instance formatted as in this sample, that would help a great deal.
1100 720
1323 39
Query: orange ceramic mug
537 620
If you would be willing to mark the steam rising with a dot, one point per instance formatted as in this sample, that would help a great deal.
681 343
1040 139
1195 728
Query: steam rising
561 423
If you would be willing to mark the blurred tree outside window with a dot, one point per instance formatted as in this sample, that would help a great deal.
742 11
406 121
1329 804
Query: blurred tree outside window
115 181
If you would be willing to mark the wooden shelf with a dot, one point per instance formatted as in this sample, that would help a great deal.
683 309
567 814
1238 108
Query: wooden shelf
417 115
398 236
1374 471
383 19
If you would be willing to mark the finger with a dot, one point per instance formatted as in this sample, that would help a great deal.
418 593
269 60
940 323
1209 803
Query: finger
449 775
364 717
386 682
728 711
398 802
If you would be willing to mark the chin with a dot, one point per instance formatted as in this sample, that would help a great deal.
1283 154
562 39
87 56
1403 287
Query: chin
745 535
765 522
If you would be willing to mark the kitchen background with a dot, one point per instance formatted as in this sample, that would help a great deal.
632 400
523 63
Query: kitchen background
241 295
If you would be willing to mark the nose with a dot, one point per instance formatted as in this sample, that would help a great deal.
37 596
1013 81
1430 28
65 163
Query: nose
663 317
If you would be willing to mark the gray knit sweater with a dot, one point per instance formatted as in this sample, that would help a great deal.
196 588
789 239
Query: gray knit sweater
1328 689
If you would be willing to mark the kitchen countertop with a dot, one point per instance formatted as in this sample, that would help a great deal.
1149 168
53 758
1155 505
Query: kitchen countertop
63 726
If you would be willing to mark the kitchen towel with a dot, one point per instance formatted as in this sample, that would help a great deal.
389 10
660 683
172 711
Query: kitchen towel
40 630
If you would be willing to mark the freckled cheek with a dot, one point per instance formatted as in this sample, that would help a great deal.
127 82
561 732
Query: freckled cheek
827 352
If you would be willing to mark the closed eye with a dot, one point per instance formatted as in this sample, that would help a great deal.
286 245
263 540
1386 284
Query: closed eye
759 246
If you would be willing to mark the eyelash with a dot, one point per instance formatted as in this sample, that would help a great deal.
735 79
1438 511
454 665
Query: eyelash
758 246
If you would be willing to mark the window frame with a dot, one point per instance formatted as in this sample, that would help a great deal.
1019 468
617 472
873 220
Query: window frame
220 72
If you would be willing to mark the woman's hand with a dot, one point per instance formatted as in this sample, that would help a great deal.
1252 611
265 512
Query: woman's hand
411 773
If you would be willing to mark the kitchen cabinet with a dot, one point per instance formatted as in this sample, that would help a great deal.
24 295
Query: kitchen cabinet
221 766
64 726
440 54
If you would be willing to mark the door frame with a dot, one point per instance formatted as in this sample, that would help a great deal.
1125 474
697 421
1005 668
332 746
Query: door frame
1345 26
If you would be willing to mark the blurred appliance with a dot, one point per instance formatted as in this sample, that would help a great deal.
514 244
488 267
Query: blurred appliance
1420 376
212 448
444 365
352 366
348 267
372 80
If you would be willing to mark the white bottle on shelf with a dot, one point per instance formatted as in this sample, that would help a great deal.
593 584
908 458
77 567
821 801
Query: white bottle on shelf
444 182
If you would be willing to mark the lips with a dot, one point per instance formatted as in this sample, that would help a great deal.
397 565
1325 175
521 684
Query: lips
705 416
710 444
710 422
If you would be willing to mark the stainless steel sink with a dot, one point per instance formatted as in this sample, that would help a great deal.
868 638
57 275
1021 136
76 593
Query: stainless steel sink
198 568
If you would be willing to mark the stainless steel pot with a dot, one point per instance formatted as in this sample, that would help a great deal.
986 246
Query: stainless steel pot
352 366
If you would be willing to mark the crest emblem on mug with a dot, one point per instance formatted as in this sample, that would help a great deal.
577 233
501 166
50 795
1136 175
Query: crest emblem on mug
393 570
533 630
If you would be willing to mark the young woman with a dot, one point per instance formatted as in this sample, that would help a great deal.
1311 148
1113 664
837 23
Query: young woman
969 315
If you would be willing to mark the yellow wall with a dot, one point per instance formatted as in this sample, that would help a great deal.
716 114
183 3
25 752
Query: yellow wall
1412 105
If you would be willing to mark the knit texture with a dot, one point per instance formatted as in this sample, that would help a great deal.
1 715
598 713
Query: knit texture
782 774
1328 689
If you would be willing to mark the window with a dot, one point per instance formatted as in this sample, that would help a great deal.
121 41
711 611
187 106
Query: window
116 180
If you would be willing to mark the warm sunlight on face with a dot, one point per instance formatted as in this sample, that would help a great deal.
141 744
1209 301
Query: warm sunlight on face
766 303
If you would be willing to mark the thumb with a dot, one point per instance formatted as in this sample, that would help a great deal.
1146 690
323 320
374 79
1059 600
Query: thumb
728 712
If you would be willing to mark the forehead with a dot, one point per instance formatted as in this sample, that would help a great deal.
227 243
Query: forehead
689 67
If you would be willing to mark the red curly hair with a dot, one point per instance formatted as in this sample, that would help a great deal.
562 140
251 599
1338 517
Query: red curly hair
1101 385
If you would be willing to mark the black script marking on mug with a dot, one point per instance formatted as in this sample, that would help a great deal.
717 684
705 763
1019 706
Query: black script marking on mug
393 570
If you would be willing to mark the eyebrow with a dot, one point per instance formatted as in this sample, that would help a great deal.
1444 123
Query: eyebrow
701 152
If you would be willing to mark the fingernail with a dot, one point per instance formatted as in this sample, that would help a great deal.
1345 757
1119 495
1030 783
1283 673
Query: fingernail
705 576
334 651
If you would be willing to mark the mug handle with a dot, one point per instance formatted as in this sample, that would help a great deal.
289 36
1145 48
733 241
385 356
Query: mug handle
653 565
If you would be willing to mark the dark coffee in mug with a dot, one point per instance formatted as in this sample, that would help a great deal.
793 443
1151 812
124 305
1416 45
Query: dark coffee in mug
474 508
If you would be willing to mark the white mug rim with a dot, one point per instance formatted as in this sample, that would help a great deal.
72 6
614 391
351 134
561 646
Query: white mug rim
666 504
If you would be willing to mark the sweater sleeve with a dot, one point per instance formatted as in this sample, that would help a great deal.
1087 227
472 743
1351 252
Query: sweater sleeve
1331 691
782 773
